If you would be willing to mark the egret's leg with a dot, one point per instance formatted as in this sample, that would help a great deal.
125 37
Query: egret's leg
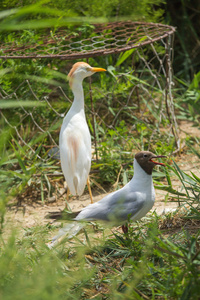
68 192
89 189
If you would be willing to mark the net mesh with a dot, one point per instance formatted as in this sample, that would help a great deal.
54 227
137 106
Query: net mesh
103 40
125 103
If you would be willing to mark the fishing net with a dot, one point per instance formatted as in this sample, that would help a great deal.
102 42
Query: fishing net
133 97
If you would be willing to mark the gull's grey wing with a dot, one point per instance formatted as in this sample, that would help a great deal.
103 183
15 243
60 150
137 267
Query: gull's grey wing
116 207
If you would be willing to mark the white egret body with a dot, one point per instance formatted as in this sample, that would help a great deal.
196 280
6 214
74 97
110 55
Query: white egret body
75 139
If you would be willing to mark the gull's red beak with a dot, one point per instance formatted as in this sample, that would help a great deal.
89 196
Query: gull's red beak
158 163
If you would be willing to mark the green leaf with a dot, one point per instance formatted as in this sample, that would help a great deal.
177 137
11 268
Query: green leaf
43 80
7 13
110 69
21 163
169 189
42 190
124 56
111 110
168 176
125 178
48 23
196 177
20 103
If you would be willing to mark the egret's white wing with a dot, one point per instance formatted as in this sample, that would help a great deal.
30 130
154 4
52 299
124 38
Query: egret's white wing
75 154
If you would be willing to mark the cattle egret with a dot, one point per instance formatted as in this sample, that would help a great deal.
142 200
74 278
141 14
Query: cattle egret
75 139
133 201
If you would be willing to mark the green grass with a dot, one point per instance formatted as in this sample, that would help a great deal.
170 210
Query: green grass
159 258
144 264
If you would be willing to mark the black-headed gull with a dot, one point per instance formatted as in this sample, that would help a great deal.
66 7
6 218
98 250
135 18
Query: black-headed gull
133 201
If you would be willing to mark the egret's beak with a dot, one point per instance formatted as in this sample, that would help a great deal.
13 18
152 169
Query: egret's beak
157 163
98 70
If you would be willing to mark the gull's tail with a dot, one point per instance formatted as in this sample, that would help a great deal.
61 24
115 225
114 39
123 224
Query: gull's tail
68 231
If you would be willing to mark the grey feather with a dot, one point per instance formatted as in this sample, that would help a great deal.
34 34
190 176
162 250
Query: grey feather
116 207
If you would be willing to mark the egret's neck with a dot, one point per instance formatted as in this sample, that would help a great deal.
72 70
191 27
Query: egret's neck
140 175
77 89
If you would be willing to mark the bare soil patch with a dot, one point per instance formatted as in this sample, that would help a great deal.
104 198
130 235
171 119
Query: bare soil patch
33 214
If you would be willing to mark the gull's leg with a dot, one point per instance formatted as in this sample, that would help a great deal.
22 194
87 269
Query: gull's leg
125 229
89 189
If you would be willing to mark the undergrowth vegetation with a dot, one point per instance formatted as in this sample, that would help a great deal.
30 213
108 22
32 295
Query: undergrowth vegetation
159 258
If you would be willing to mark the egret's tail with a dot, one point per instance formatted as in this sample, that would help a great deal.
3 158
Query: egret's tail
69 231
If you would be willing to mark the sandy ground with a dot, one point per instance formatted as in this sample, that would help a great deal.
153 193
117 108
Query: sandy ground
27 215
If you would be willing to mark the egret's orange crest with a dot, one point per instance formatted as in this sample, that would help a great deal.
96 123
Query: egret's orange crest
75 66
73 69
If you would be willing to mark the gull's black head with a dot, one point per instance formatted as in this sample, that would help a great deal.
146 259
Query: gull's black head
146 161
